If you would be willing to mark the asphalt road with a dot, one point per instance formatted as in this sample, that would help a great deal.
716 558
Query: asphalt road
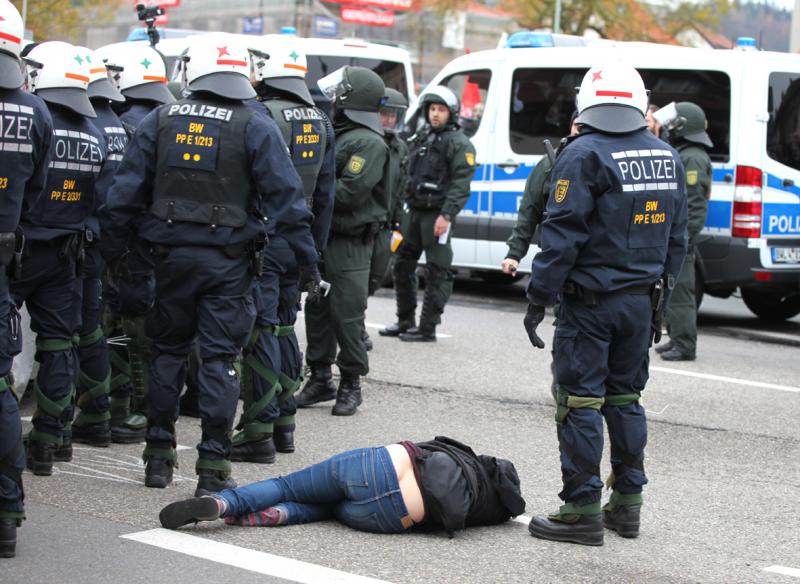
723 461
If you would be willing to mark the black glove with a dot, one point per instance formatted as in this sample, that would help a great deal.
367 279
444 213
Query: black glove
533 318
310 280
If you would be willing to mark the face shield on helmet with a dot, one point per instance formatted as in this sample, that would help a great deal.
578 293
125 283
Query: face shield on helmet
335 85
59 74
137 71
100 86
12 74
612 99
219 64
279 63
684 120
393 111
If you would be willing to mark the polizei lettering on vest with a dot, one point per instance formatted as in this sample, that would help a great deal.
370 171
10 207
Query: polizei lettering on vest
647 169
200 110
300 114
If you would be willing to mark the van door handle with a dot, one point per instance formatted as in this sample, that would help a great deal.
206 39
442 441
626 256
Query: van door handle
787 182
508 164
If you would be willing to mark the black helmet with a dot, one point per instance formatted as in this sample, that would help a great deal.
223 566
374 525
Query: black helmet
685 120
395 103
358 93
443 95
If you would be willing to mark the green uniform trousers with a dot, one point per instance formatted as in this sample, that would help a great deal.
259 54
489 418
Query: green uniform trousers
381 258
338 319
681 313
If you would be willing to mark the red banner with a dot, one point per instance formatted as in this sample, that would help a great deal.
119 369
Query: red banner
402 5
162 3
366 16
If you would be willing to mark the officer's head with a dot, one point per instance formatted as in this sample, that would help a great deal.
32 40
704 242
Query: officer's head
11 69
684 121
441 106
357 94
100 87
279 63
393 111
59 74
137 71
612 99
217 64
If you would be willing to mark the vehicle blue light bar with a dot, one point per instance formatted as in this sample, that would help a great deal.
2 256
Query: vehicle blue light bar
527 39
746 43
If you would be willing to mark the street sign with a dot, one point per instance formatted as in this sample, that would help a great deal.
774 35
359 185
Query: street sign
367 16
325 26
253 25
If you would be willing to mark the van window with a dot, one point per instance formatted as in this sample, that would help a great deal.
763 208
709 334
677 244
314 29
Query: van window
471 88
783 128
542 102
393 73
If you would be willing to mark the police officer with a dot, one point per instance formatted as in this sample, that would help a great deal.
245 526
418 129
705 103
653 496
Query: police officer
56 232
361 206
393 112
616 225
442 163
197 182
138 73
684 125
273 364
29 128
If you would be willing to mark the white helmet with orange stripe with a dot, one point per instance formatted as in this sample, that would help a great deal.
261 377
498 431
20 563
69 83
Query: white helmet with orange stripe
59 74
11 70
138 71
218 63
280 63
612 98
100 86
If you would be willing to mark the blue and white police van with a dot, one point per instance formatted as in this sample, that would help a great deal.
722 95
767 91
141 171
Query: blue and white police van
519 94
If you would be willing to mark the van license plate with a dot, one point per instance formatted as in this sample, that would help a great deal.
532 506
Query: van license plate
786 255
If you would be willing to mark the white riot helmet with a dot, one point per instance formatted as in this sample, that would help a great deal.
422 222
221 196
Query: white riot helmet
280 63
12 75
612 99
100 86
137 71
443 95
59 74
219 64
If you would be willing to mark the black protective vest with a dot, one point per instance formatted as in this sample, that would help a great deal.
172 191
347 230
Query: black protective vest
203 172
303 130
429 171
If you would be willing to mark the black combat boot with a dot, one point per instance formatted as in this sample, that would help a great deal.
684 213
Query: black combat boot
94 434
367 341
284 441
584 529
180 513
675 354
40 456
157 473
318 388
124 434
8 537
420 334
212 481
63 453
261 450
664 347
394 330
624 519
348 398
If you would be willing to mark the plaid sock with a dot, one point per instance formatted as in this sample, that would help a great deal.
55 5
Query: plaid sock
269 517
222 505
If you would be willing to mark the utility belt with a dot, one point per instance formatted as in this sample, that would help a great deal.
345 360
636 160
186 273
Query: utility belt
366 233
254 249
71 247
12 245
427 195
592 299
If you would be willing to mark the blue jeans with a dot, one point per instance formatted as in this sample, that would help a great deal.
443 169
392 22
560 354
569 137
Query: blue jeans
359 488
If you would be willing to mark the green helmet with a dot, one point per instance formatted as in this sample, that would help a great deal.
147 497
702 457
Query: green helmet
688 122
393 109
357 92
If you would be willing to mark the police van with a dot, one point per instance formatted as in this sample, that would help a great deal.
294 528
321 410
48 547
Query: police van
515 96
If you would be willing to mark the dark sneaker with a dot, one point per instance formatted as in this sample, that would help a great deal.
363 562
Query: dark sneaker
676 355
586 530
318 388
93 434
664 347
419 335
212 481
261 451
157 473
624 519
196 509
8 537
284 441
40 456
394 330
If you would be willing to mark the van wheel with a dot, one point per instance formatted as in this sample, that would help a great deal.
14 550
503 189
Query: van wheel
772 304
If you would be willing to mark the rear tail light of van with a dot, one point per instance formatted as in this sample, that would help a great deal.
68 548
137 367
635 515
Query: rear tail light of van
747 202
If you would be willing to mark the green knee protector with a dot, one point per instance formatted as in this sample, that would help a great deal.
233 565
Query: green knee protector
251 429
566 402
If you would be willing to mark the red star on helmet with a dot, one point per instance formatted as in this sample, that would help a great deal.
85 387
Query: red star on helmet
597 75
223 51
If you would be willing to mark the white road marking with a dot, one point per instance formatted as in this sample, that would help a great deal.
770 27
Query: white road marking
246 559
733 380
784 571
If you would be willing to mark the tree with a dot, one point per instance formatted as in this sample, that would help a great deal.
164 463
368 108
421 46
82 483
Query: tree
65 20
